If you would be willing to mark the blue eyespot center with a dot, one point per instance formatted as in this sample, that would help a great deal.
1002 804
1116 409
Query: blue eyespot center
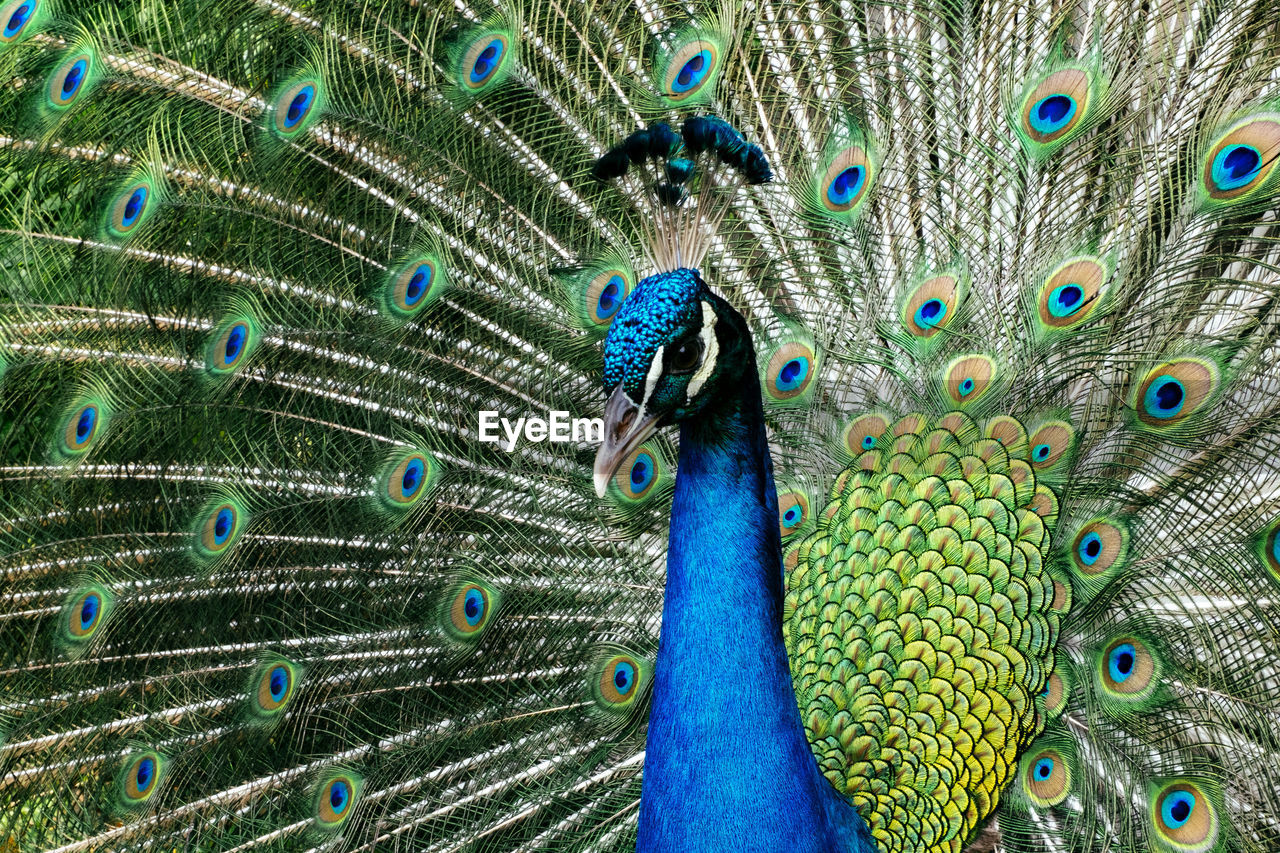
1043 769
639 472
279 682
931 313
222 525
473 607
624 677
145 774
412 477
1164 397
1090 548
339 796
692 72
1041 452
1121 662
793 374
487 61
89 610
966 387
868 442
847 185
299 105
134 206
235 343
1052 113
1066 300
610 300
84 424
1176 808
74 77
418 285
18 20
1235 166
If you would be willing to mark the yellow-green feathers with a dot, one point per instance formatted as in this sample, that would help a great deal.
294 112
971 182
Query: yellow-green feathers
921 624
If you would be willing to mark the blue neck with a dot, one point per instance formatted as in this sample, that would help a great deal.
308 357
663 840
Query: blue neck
727 766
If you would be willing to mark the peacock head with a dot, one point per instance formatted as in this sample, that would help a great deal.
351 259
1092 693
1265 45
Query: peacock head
671 352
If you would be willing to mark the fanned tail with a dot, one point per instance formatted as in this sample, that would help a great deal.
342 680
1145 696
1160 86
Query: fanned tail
267 585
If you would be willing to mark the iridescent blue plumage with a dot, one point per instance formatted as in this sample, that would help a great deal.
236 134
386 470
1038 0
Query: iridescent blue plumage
751 775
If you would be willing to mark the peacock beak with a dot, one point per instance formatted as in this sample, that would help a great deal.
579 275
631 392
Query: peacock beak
625 427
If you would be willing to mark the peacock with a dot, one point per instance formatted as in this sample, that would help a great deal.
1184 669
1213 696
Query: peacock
889 417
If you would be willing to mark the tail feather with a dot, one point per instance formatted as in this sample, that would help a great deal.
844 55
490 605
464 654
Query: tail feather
268 262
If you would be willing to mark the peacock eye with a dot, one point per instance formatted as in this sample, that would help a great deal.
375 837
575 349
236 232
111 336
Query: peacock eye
685 357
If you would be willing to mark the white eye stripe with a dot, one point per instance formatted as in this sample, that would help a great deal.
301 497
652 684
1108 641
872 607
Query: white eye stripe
651 380
710 351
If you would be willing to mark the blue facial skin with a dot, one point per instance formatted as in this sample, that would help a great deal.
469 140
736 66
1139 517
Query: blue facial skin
727 764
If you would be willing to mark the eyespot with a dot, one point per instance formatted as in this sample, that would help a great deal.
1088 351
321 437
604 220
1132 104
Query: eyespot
690 68
844 184
1051 115
609 299
1046 779
219 528
471 608
405 479
1127 669
1099 546
1120 663
1184 817
1241 161
1055 695
69 79
968 378
140 778
83 614
336 800
793 511
484 60
1010 432
297 106
604 295
1173 391
863 432
931 306
131 207
597 292
1055 108
1071 293
17 16
638 473
82 427
230 346
790 371
618 681
274 687
1049 442
85 618
414 285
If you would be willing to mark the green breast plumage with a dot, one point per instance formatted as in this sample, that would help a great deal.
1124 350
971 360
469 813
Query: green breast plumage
921 619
